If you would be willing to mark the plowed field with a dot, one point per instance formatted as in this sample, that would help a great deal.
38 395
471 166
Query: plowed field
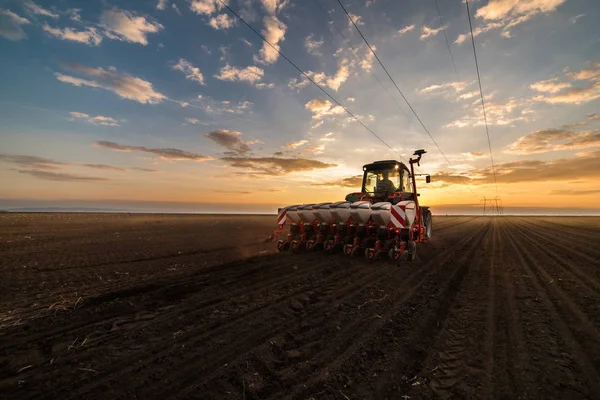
173 306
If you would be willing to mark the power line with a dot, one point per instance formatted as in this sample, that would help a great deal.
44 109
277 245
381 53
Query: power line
437 6
310 79
487 131
400 91
357 55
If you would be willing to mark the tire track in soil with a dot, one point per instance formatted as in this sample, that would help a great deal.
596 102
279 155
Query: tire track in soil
455 366
376 276
570 349
512 357
214 327
351 335
368 275
418 309
564 290
583 279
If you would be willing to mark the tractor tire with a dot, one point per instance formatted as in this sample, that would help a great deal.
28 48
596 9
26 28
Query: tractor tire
411 251
427 223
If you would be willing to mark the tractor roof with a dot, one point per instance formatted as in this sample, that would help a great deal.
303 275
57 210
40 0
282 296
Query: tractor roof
383 164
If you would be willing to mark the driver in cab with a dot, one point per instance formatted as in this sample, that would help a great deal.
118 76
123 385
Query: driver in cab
385 185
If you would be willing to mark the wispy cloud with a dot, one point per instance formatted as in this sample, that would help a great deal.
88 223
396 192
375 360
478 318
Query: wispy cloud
162 4
250 74
222 21
10 25
60 176
276 165
191 72
555 140
427 32
506 14
274 32
354 182
293 145
35 9
322 108
48 164
127 87
97 120
406 29
583 166
232 141
164 154
550 86
313 45
128 26
90 36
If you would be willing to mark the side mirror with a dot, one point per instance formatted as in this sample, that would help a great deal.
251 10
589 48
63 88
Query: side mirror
428 179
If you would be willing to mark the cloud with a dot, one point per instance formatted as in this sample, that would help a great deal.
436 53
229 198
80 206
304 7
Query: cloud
593 117
263 85
211 105
583 166
587 74
222 21
550 86
334 82
555 140
97 120
205 7
162 4
231 140
274 32
328 137
574 192
90 36
356 18
428 32
251 74
42 163
128 26
576 17
554 92
354 182
37 10
475 155
293 145
573 96
32 161
478 31
195 121
500 114
318 149
192 73
322 108
366 62
164 154
275 165
127 87
406 29
312 45
60 176
10 25
506 14
274 6
444 88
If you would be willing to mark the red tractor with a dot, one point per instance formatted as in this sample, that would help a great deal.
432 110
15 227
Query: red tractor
383 219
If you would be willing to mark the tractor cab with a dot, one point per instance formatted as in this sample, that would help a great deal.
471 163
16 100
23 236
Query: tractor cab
387 180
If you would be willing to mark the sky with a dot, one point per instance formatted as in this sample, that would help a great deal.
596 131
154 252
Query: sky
163 103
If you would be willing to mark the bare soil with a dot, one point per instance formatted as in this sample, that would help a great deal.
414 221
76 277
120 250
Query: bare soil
184 306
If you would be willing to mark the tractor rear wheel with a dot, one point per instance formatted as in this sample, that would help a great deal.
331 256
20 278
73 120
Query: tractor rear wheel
427 223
